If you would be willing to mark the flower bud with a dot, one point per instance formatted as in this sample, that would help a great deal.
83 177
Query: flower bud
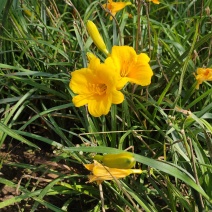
123 160
96 37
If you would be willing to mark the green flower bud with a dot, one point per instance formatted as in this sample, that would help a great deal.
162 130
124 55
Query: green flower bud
123 160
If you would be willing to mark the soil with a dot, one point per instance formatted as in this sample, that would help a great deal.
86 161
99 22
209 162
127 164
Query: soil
19 153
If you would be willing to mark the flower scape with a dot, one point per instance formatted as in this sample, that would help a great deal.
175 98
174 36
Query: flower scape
99 85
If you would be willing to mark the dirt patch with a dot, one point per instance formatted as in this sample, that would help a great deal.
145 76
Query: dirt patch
20 164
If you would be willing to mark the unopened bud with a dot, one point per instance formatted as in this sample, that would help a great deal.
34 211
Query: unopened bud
96 37
123 160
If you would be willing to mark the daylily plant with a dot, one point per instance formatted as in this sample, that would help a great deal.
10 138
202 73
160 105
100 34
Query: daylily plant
203 74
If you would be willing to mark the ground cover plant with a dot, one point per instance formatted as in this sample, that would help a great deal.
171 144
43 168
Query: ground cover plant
105 105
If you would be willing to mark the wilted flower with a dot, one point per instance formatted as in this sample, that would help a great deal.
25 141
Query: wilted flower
96 87
114 7
130 66
203 74
155 1
96 37
101 173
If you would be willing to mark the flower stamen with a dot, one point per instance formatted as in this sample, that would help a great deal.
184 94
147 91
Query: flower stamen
99 89
124 70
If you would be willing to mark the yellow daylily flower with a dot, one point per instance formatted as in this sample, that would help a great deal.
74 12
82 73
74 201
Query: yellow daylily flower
203 74
101 173
96 37
155 1
95 86
130 66
114 7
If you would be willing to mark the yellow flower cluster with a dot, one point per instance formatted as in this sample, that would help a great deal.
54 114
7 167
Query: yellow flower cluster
99 85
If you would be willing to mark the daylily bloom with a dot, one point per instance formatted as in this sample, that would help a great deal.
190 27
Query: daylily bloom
130 66
101 173
203 74
155 1
96 87
96 37
114 7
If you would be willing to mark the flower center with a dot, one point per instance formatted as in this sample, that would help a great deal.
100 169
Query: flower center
206 73
124 69
99 89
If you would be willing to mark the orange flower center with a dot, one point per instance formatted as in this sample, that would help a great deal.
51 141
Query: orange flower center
99 89
124 70
206 72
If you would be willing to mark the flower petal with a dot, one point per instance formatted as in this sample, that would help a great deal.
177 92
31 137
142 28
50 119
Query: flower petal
89 166
80 100
117 97
101 173
122 57
155 1
143 58
105 173
100 105
140 74
79 81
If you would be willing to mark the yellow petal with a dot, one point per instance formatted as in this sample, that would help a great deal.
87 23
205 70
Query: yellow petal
117 97
79 81
143 58
91 56
101 173
100 105
80 100
89 166
122 57
140 74
106 173
155 1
